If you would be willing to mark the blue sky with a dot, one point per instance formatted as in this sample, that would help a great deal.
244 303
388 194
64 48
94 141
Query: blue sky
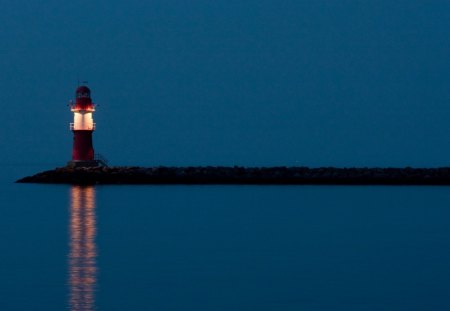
316 83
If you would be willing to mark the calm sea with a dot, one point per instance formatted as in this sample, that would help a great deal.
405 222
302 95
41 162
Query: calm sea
222 247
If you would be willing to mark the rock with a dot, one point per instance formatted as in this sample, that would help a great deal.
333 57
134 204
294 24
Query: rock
241 175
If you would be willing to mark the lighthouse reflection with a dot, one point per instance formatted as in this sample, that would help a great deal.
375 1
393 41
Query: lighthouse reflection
82 253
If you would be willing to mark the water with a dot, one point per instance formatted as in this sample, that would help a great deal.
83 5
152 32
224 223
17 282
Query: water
222 247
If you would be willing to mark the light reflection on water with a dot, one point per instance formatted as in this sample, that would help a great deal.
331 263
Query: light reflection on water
82 251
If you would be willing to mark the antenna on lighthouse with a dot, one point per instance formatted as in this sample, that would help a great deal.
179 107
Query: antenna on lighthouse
82 82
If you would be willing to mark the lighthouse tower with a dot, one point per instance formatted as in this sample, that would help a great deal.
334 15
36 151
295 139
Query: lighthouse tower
83 126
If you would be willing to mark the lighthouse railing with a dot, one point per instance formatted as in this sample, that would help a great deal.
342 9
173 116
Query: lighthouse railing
89 128
101 159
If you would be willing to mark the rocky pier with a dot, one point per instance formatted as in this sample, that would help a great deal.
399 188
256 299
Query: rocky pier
242 175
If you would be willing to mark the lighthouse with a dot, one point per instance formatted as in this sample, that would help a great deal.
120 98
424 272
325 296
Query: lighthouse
82 127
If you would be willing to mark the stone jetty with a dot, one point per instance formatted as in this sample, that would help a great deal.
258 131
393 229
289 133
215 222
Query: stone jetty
243 175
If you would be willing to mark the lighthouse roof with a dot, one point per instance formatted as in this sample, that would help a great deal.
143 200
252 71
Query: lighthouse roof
83 89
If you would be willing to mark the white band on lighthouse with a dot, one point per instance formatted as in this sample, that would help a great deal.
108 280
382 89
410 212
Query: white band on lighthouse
83 121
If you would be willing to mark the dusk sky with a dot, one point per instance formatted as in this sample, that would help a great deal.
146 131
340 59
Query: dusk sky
250 82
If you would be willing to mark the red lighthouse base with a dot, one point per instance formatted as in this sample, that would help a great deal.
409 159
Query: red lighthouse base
82 146
83 152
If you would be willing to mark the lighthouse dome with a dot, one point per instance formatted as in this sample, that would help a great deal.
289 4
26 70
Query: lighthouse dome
83 91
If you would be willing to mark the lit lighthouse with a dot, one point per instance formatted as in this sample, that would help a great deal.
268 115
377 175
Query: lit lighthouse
83 126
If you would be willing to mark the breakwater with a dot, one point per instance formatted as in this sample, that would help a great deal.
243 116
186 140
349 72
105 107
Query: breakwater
243 175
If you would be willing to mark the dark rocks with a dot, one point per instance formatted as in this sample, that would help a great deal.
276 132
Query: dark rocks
243 175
